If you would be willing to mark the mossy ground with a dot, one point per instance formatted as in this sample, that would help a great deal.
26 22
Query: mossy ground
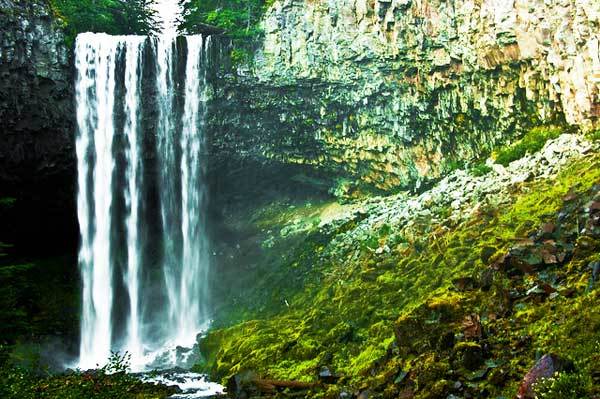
109 382
347 310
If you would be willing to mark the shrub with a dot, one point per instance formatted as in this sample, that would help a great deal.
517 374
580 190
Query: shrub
480 169
563 386
594 135
110 381
7 202
532 142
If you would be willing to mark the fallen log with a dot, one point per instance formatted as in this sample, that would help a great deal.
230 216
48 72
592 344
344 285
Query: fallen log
248 383
274 384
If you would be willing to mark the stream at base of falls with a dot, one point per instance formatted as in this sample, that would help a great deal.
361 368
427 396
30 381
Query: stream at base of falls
192 385
171 367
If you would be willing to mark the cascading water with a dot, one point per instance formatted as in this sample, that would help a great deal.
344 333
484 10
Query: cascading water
142 195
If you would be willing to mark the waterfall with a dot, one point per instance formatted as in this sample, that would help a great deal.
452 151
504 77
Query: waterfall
142 197
133 69
193 199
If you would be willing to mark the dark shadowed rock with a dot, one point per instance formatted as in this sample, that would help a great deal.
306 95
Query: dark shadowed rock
364 395
470 355
37 163
464 283
548 230
326 376
595 268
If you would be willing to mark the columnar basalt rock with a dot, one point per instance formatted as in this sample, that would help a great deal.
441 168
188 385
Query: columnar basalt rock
397 91
36 128
35 90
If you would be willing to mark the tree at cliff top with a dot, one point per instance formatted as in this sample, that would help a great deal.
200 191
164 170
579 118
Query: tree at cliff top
239 18
116 17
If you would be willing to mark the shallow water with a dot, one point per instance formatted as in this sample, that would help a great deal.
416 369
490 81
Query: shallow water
192 385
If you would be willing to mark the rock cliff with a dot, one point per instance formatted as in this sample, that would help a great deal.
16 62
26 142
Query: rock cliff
393 92
37 114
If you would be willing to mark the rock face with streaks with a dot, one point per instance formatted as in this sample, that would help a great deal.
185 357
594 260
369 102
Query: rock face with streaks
387 93
37 114
36 98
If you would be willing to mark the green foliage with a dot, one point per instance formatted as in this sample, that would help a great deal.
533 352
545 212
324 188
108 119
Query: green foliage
240 56
36 298
115 17
532 142
454 164
108 382
594 135
14 301
481 169
564 386
239 18
7 202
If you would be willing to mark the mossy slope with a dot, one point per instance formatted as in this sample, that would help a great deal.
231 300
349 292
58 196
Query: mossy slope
350 310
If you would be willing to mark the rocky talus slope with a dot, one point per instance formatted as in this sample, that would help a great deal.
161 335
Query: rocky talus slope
386 93
450 293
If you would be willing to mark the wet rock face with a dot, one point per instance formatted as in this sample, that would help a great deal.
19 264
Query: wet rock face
37 114
36 106
397 90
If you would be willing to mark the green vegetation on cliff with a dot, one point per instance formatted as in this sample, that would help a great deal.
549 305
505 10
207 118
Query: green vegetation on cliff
115 17
239 18
532 142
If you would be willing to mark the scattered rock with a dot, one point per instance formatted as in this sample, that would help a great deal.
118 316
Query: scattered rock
471 326
594 207
464 284
595 268
545 367
571 196
470 355
548 230
326 376
364 395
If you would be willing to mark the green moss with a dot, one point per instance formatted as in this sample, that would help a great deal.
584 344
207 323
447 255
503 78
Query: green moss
240 56
564 386
480 169
111 381
351 312
532 142
594 135
362 363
